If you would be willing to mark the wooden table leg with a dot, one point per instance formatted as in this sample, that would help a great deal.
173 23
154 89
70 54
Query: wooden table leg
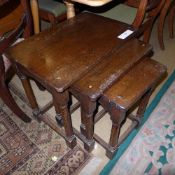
35 14
117 116
61 106
115 130
87 124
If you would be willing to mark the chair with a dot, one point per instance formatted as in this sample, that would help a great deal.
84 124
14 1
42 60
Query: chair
140 14
15 20
52 11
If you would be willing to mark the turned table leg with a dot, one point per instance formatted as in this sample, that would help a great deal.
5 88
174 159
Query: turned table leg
61 106
117 116
87 124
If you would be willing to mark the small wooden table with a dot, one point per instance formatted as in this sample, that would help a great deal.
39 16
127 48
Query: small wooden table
58 57
93 85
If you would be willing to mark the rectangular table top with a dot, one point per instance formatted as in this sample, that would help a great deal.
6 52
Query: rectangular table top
62 55
102 76
130 88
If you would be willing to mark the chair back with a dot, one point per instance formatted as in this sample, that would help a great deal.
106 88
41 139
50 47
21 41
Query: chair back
15 22
144 7
136 3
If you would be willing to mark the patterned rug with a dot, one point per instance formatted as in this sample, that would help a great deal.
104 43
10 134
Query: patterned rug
34 148
150 150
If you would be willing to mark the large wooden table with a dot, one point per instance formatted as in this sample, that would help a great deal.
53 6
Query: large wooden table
70 9
57 58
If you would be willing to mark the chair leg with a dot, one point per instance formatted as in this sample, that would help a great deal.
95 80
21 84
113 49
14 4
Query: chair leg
161 23
171 19
9 101
147 33
29 93
52 20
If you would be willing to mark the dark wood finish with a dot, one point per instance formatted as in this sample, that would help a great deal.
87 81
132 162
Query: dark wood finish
15 18
58 57
147 12
136 3
134 88
168 8
103 75
161 22
93 84
7 15
61 106
171 19
153 10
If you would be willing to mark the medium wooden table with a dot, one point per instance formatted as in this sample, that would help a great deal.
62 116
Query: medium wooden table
57 58
70 9
93 85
